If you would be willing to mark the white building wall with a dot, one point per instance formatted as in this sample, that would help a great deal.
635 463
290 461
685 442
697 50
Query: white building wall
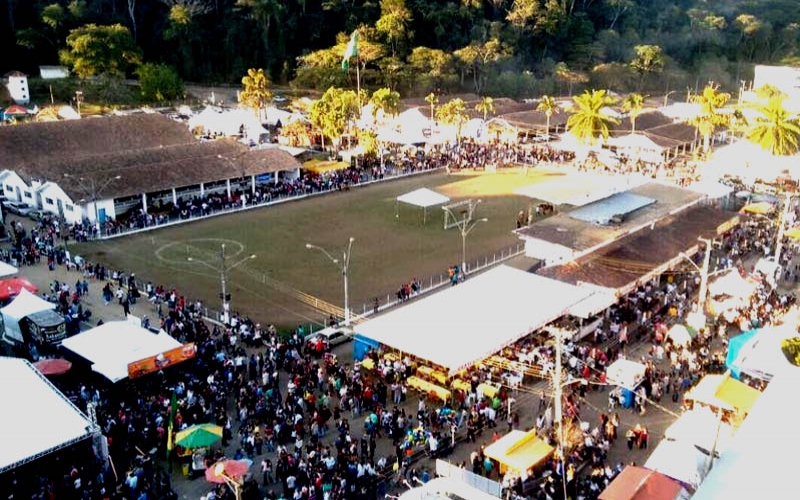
55 201
18 88
14 188
88 210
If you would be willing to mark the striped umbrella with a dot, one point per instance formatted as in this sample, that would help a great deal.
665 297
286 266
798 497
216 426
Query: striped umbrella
199 436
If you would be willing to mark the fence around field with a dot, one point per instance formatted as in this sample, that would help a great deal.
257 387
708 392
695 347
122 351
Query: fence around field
385 301
403 172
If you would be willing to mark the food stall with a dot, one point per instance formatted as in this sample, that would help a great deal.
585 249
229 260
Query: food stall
723 392
519 452
627 375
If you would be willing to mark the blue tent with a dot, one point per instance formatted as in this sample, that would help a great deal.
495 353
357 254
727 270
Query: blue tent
734 348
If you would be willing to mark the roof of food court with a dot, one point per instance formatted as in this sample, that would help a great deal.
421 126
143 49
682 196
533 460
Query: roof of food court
628 260
149 152
581 236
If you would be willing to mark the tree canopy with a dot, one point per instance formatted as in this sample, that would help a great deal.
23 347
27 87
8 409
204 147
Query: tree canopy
515 48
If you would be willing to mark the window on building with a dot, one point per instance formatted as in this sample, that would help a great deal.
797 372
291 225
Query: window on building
69 208
48 201
9 189
27 194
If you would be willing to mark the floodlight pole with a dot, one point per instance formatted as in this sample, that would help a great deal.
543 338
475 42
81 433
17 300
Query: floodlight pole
465 226
223 270
344 268
701 296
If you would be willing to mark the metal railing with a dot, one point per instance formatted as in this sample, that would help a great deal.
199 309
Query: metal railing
399 173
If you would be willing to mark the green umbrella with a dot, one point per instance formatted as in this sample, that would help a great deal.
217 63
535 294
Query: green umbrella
199 436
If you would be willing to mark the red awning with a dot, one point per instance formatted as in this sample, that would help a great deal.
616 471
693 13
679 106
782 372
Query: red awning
53 366
638 483
11 287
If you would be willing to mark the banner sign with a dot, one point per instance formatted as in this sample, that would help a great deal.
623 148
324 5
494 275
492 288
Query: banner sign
161 361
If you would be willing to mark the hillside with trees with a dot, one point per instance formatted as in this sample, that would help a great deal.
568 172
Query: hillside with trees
515 48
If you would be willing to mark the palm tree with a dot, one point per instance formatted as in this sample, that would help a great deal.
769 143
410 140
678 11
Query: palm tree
588 122
433 101
776 130
549 106
485 106
633 105
710 101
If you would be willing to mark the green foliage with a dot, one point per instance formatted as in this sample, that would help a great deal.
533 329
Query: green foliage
94 50
587 121
517 48
791 349
255 92
775 129
332 113
633 105
711 100
485 106
159 83
386 100
549 106
453 112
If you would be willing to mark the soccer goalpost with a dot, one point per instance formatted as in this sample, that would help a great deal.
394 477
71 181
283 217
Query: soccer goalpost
458 213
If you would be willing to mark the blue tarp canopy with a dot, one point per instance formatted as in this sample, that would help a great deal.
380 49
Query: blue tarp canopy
735 345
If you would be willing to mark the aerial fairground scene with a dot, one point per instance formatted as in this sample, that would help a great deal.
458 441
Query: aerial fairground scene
399 249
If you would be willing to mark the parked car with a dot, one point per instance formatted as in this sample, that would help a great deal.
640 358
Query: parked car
37 215
16 207
327 338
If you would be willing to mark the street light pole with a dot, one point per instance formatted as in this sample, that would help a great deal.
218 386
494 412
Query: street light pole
701 296
781 228
345 265
465 225
223 271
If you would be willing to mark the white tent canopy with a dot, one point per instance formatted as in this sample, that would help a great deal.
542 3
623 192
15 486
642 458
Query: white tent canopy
593 304
699 428
111 346
712 189
579 189
680 461
471 321
768 431
423 198
679 335
731 283
36 418
7 270
23 305
228 122
411 120
761 357
625 373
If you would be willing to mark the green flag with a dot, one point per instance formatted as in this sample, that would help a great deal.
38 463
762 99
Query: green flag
173 409
351 51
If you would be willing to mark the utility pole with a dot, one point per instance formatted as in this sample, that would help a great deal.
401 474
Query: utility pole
225 304
701 296
782 227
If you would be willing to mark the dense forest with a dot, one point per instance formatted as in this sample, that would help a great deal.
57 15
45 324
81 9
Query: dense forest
516 48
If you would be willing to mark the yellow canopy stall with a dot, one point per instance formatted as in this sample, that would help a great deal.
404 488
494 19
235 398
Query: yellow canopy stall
793 233
725 392
519 451
760 208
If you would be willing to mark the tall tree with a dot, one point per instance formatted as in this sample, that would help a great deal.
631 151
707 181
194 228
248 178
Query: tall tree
159 83
775 129
255 93
432 100
393 23
633 105
182 27
453 112
549 106
648 60
711 100
332 112
264 13
386 100
485 106
588 122
94 50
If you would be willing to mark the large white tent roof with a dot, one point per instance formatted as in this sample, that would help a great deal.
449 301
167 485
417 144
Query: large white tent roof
759 455
469 322
7 270
111 346
36 418
580 189
423 197
23 305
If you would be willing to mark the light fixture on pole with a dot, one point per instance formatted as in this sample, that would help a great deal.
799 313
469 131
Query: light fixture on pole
343 266
223 270
465 226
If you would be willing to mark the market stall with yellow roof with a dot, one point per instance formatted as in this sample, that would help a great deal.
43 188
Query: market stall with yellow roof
519 451
723 392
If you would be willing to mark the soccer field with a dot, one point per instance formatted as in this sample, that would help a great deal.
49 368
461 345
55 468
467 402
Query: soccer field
284 276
